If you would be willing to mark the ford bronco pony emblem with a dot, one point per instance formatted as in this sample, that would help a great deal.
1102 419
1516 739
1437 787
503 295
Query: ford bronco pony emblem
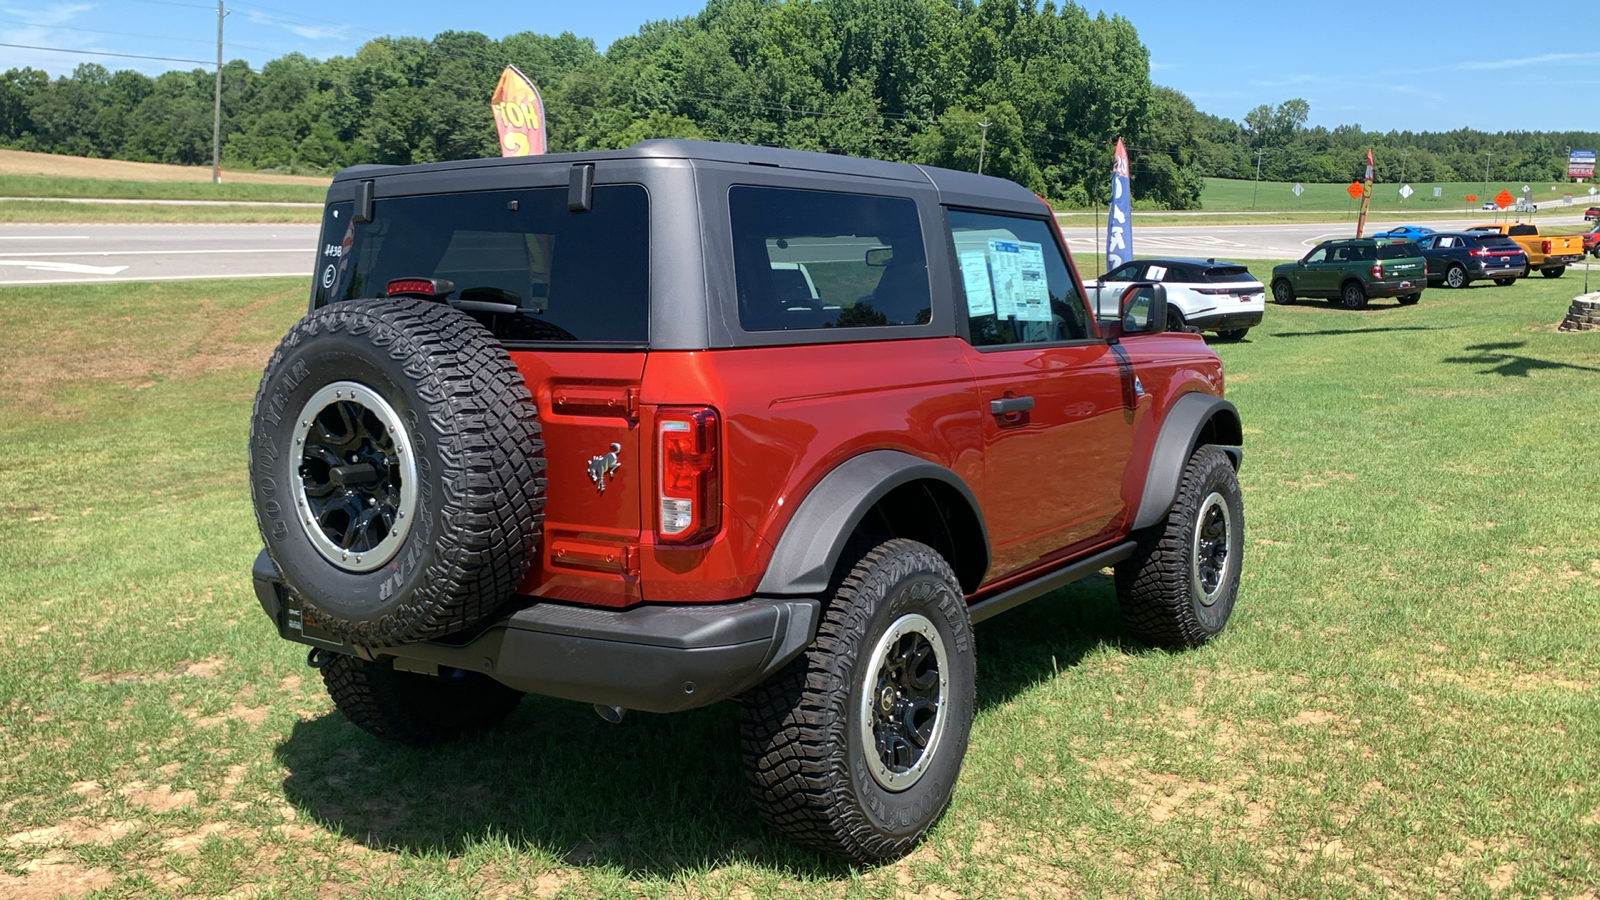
602 466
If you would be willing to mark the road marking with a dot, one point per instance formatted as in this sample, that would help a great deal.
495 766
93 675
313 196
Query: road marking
73 268
160 252
44 237
228 277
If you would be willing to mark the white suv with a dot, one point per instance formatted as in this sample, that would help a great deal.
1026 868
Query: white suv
1202 294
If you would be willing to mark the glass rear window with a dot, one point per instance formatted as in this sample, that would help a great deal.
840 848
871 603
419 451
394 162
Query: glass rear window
1228 275
820 259
1399 250
518 261
1498 241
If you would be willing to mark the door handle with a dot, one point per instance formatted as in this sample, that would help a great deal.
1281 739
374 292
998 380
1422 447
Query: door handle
1005 406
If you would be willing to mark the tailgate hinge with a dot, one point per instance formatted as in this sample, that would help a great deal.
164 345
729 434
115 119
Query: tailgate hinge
631 398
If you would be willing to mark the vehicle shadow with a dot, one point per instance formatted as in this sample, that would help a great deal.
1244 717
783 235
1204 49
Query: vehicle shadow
1506 364
658 795
1336 331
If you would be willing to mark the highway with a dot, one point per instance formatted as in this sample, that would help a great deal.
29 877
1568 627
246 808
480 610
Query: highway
88 254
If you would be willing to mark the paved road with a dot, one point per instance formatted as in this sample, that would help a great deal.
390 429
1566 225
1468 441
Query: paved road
86 254
76 254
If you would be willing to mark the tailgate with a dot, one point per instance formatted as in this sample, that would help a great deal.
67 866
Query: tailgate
594 473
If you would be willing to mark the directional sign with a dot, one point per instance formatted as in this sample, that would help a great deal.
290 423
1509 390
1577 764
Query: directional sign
1592 192
1437 193
1406 191
1354 190
1526 189
1504 199
1298 189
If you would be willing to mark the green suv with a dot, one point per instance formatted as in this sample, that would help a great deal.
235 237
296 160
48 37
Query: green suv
1353 272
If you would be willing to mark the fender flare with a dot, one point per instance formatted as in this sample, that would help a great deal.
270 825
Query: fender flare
1180 435
805 556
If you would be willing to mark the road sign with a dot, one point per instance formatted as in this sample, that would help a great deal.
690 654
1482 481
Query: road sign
1354 190
1437 193
1504 199
1472 198
1580 164
1406 191
1298 189
1526 189
1592 192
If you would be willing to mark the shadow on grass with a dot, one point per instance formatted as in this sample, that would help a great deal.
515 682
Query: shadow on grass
1336 331
1506 364
657 796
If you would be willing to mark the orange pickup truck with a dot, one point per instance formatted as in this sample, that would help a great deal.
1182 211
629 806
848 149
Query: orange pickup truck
1549 253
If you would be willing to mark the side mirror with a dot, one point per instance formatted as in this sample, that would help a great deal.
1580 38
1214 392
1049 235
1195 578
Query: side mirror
1143 309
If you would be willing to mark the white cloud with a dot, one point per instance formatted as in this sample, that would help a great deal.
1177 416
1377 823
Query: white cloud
54 14
1518 62
309 32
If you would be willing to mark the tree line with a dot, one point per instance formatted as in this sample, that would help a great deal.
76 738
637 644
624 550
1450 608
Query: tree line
1034 93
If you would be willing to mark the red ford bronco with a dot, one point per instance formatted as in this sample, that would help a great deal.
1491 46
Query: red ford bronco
658 427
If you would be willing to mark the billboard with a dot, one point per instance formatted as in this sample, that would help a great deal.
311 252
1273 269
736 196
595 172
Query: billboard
1580 164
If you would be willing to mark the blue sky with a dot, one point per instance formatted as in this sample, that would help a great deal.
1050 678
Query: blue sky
1479 66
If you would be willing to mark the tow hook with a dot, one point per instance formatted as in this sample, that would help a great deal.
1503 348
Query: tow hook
318 658
612 714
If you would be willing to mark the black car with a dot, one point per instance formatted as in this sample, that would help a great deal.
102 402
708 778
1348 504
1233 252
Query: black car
1458 258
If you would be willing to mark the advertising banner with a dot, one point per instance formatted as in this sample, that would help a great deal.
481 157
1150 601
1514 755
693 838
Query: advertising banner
1580 164
518 114
1119 225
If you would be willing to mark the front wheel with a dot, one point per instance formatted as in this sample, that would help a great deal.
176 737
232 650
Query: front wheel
854 748
1504 282
1554 272
1178 588
1282 293
1353 296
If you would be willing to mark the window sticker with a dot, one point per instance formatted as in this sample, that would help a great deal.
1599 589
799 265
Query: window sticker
1020 290
1156 273
975 278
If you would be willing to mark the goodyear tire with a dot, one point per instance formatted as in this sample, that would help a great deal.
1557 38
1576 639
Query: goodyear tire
397 470
854 748
1178 588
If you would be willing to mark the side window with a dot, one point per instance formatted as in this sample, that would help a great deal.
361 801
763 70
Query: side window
819 259
1318 255
1018 287
1125 272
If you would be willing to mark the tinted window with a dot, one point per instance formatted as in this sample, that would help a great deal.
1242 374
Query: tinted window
1017 286
1498 241
1399 250
1124 272
1228 274
817 259
1318 255
520 262
1523 230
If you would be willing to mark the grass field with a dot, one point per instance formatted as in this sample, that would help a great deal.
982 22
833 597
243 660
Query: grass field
51 165
1407 702
1229 194
97 188
46 212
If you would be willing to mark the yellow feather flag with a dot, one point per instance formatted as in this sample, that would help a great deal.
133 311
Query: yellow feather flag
518 114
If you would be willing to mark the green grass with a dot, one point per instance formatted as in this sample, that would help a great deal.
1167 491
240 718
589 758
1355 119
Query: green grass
99 188
1407 702
1230 194
45 211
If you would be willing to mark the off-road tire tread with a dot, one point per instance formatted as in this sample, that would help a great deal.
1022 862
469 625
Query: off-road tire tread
1153 584
494 467
792 726
406 708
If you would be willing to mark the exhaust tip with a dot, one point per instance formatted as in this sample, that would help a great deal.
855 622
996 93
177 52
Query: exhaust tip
612 714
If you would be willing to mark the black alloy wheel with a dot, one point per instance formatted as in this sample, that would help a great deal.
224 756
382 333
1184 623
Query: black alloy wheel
1282 293
358 481
1353 295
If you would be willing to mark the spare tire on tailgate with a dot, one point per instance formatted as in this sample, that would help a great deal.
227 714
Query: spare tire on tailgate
397 469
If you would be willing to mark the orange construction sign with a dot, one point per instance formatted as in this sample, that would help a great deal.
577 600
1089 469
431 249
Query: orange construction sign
1354 190
1504 199
518 114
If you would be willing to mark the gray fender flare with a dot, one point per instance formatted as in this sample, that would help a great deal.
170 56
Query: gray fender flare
1180 435
806 554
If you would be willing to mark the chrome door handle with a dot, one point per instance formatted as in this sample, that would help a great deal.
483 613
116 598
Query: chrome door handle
1005 406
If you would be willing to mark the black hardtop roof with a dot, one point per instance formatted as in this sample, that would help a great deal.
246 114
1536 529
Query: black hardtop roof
1192 261
958 188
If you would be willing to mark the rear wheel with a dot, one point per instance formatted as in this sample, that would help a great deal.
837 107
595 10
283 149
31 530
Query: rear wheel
1553 272
1353 295
1503 282
1232 334
853 749
1282 293
1176 321
1409 299
1456 277
415 709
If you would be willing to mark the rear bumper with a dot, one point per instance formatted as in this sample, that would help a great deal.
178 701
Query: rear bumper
1551 262
1227 321
1396 288
651 658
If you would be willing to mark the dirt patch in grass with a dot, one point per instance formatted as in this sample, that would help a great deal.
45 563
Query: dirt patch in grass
20 162
54 876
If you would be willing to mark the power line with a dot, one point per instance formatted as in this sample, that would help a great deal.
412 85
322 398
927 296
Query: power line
173 3
202 62
148 37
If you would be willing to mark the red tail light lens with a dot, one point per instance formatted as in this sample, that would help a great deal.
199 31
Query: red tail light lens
1545 246
1377 270
426 287
689 485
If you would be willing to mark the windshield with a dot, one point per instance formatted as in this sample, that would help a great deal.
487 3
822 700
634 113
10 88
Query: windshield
518 261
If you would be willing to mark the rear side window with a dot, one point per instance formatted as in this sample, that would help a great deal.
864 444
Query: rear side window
1399 250
1017 285
1523 230
518 261
820 259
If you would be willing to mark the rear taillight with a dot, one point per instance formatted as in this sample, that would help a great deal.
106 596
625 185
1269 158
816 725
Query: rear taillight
1377 270
1544 247
1482 251
689 486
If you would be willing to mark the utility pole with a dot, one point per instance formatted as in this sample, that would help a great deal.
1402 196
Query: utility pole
983 142
1486 155
216 114
1404 155
1257 189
